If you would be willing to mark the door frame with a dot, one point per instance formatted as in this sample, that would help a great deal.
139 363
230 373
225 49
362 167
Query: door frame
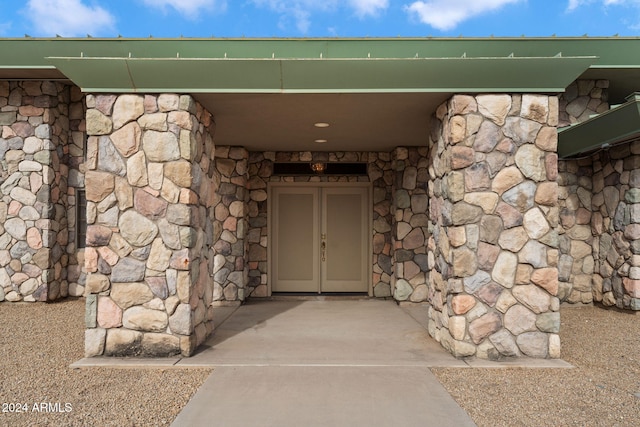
270 219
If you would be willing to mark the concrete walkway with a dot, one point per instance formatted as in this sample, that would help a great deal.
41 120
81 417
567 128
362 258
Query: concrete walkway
322 396
321 362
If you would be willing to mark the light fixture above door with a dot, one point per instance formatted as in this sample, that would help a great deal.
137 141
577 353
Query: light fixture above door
318 167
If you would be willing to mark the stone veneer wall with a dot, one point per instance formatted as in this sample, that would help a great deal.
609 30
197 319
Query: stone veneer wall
150 187
616 226
410 224
34 116
598 213
599 196
230 225
576 263
382 174
493 211
76 274
599 228
581 100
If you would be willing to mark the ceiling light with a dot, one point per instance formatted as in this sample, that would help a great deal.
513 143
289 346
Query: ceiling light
317 167
320 141
321 125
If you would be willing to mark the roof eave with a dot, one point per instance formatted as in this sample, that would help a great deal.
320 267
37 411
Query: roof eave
612 127
353 75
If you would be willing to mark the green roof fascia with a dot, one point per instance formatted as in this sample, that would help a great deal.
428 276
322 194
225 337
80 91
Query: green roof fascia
205 75
614 126
31 52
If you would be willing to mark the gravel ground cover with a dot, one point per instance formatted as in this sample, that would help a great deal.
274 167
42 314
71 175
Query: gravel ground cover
37 344
603 389
39 341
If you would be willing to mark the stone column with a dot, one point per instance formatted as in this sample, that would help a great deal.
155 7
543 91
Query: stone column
493 213
34 118
150 188
410 224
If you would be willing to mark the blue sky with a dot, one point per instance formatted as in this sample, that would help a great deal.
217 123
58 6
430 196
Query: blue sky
318 18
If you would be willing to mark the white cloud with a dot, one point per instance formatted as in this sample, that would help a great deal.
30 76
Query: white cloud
301 11
189 8
447 14
289 6
574 4
630 19
301 17
368 7
297 10
68 18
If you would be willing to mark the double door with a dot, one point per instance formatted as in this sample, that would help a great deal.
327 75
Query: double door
320 239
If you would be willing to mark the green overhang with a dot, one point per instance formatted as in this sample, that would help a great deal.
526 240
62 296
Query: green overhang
324 65
611 51
213 75
618 125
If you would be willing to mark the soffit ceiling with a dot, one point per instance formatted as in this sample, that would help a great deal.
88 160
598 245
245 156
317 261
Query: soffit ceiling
357 122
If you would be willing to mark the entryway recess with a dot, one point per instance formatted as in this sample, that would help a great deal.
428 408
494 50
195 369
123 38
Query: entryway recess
320 237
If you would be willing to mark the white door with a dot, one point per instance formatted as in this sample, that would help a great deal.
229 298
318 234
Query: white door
296 242
320 239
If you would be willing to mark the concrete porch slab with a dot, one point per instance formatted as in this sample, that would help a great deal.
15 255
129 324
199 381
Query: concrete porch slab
520 362
125 362
321 332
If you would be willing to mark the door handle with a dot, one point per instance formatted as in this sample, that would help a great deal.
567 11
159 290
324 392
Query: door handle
324 248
